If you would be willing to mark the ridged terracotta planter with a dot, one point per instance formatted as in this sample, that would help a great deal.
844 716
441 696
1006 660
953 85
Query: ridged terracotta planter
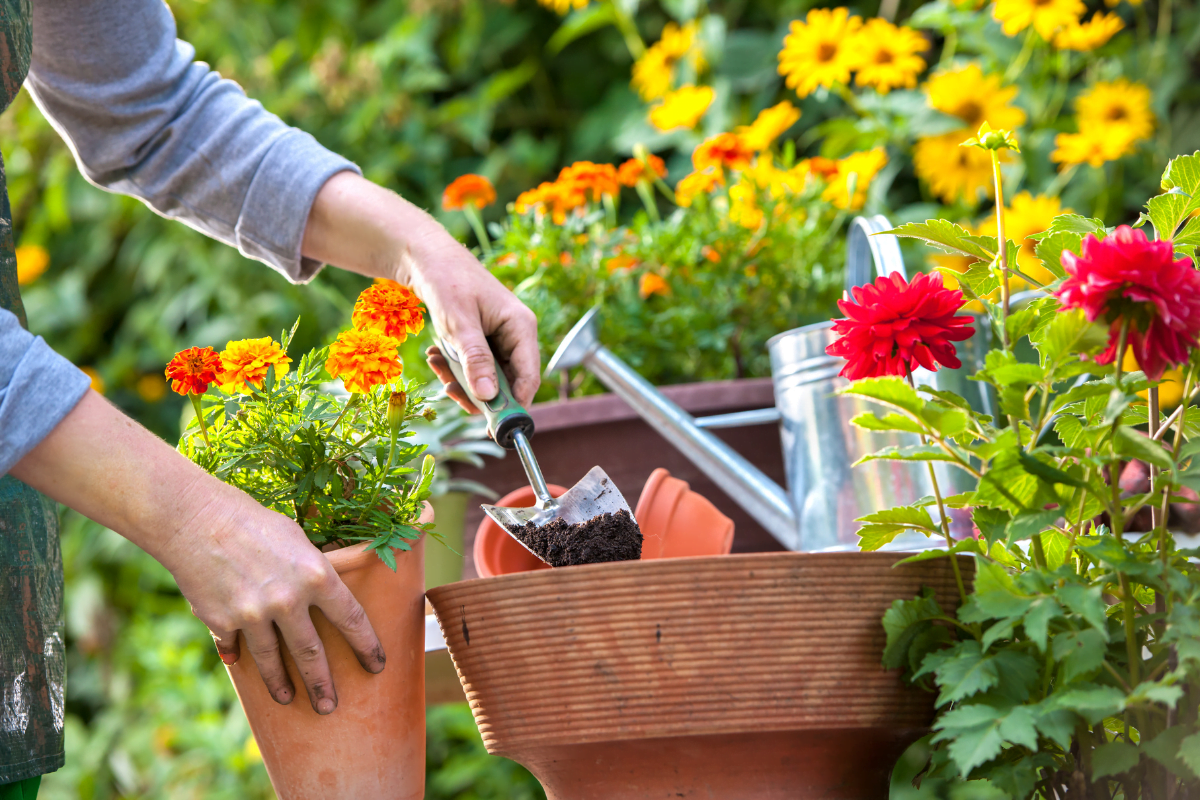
373 745
746 676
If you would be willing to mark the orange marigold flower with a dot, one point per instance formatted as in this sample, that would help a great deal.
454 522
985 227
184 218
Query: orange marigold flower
635 169
723 150
192 370
364 359
390 308
711 254
474 189
558 198
246 362
695 184
620 262
652 283
601 179
824 168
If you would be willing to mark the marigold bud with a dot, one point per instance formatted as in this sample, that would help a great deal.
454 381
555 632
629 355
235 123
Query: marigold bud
430 413
395 413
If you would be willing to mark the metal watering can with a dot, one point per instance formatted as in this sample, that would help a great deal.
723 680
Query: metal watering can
824 494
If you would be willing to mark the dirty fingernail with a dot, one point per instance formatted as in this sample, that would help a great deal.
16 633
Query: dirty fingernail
326 705
229 659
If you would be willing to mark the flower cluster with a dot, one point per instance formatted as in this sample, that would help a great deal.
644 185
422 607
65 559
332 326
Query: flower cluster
654 71
367 355
1113 117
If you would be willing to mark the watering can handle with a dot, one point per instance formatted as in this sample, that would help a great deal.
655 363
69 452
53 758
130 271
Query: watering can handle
503 413
868 251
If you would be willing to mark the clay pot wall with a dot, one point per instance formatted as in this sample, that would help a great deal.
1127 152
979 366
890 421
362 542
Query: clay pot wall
575 435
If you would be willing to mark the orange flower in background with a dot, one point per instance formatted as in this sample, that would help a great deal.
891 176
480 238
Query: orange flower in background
364 359
557 198
467 189
619 262
191 371
824 168
635 170
98 384
769 125
246 362
390 308
32 261
690 186
723 150
652 283
601 179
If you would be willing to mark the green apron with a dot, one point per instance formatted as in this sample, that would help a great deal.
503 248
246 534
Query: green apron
32 657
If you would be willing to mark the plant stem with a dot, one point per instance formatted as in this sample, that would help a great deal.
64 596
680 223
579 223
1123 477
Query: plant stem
1002 247
1019 63
353 401
1131 651
646 193
949 46
629 31
382 478
472 214
1163 37
200 418
1061 180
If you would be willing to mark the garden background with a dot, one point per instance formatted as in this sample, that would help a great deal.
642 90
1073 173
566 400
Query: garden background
418 92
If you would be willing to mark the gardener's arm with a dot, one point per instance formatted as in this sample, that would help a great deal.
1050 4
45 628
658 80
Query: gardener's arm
241 566
144 119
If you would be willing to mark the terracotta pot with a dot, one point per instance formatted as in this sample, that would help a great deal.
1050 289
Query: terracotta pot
675 521
373 745
575 435
747 676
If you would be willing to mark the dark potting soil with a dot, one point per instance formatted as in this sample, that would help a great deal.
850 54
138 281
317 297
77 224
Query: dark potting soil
607 537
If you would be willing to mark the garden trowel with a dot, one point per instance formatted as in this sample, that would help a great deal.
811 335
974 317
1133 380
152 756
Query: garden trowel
512 428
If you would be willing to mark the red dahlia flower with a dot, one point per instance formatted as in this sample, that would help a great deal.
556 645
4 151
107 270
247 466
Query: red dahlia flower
1127 277
895 326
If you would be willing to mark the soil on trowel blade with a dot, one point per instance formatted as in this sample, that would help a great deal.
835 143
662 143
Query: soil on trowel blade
607 537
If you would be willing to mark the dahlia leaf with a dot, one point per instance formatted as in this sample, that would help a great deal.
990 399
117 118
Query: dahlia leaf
1068 336
1166 212
888 391
903 516
1182 176
949 237
888 422
873 537
1187 239
1072 223
912 453
1051 248
903 622
1128 442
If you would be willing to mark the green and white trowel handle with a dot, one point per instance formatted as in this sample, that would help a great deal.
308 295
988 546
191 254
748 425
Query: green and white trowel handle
508 423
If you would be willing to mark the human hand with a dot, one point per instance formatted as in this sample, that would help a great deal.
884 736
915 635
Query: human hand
241 566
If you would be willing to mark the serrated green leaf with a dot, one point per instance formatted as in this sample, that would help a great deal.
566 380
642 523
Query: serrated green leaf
889 391
1027 523
1131 444
1048 472
974 735
1165 748
1050 250
1181 182
1113 758
1093 703
966 673
950 238
1087 602
903 622
909 453
906 516
888 422
873 537
1068 335
1073 223
1079 652
1041 613
1189 753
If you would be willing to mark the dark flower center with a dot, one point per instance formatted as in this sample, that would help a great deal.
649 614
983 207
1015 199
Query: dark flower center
1117 114
884 57
826 52
971 113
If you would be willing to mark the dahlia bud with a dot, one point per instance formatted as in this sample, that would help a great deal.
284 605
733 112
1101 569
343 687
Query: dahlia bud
989 139
395 413
430 413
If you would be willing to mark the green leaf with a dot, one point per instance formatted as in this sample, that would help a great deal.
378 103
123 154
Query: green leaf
579 24
974 735
1113 758
873 537
1050 473
1051 248
992 523
977 789
1079 652
914 452
1165 748
1093 703
1131 444
889 391
996 595
1068 335
1181 182
903 622
1001 630
1189 753
1087 602
1038 617
888 422
906 516
1073 223
965 673
1027 523
950 238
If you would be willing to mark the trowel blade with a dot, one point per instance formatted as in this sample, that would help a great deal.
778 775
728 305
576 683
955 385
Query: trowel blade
594 495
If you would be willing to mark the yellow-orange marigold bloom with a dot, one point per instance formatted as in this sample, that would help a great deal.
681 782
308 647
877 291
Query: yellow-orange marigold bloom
652 283
859 168
885 57
1087 36
817 52
557 198
697 183
725 150
32 261
191 371
246 362
600 179
364 359
635 169
467 189
769 125
682 108
390 308
1046 16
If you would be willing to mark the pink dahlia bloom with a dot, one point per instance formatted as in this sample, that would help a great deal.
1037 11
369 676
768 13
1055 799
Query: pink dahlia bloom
894 326
1128 277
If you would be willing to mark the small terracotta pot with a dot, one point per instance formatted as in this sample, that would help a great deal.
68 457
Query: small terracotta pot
675 521
751 676
373 745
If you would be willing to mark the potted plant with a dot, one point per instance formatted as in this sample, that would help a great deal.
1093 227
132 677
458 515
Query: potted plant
1071 669
348 471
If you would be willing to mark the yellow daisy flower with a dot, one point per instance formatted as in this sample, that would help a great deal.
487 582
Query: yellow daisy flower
1094 147
975 98
1120 104
769 125
682 108
952 172
562 7
818 52
1087 36
860 168
1024 217
655 69
1046 16
885 56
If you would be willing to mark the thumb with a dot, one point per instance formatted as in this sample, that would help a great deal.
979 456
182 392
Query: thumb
478 363
228 646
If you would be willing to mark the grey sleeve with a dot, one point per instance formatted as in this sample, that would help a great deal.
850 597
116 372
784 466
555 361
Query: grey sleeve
143 118
38 387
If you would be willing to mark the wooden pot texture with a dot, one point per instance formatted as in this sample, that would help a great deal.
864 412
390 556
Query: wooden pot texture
752 676
575 435
373 744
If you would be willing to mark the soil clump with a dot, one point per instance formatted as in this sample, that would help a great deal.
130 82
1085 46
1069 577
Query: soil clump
607 537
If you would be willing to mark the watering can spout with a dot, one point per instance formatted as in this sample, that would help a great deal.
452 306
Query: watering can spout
746 484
